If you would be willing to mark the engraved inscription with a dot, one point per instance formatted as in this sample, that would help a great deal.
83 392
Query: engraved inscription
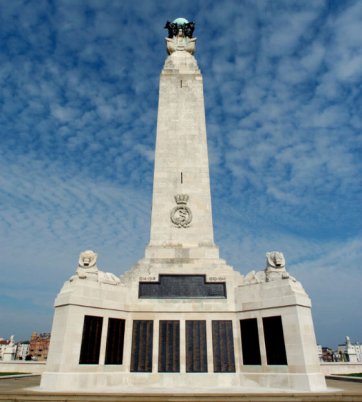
223 346
182 286
216 278
147 278
142 346
169 347
196 348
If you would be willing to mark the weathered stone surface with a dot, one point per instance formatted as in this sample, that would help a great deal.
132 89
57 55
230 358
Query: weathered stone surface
181 160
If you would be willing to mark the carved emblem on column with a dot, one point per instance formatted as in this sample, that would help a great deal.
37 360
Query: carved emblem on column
181 215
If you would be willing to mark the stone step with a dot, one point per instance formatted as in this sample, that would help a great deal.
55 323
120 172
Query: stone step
282 397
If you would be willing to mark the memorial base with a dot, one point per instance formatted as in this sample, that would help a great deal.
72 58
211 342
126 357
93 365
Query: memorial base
194 325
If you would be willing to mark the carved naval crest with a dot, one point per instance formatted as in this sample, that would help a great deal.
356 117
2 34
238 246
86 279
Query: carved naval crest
181 215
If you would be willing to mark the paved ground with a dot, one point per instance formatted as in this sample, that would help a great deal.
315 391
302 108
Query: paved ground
345 385
12 390
17 384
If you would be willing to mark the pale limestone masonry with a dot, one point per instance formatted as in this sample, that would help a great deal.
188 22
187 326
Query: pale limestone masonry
182 245
181 161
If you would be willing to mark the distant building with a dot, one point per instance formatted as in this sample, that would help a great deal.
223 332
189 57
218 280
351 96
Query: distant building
3 344
347 352
22 350
358 349
350 352
39 345
320 353
9 350
327 354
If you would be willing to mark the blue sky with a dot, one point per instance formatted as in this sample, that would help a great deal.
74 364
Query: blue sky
78 106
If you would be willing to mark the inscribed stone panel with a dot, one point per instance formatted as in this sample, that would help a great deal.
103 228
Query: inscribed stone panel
196 348
91 340
223 346
274 341
115 341
169 347
181 286
250 342
142 342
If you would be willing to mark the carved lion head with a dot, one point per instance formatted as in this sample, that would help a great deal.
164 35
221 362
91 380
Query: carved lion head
87 259
275 259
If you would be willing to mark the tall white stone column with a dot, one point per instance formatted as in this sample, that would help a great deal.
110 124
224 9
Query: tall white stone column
181 208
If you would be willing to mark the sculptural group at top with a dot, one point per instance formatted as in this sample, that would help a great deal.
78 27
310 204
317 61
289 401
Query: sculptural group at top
180 36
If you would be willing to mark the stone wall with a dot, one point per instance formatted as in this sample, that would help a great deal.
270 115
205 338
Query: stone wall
22 367
341 368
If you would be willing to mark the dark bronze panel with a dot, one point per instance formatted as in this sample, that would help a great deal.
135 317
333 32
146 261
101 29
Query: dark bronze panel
223 346
115 341
182 286
250 341
91 340
169 347
196 349
142 343
274 341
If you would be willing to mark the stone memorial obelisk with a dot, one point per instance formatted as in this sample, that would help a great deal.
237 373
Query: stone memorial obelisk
182 320
181 180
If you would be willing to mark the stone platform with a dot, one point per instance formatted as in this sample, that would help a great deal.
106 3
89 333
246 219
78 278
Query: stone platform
18 389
